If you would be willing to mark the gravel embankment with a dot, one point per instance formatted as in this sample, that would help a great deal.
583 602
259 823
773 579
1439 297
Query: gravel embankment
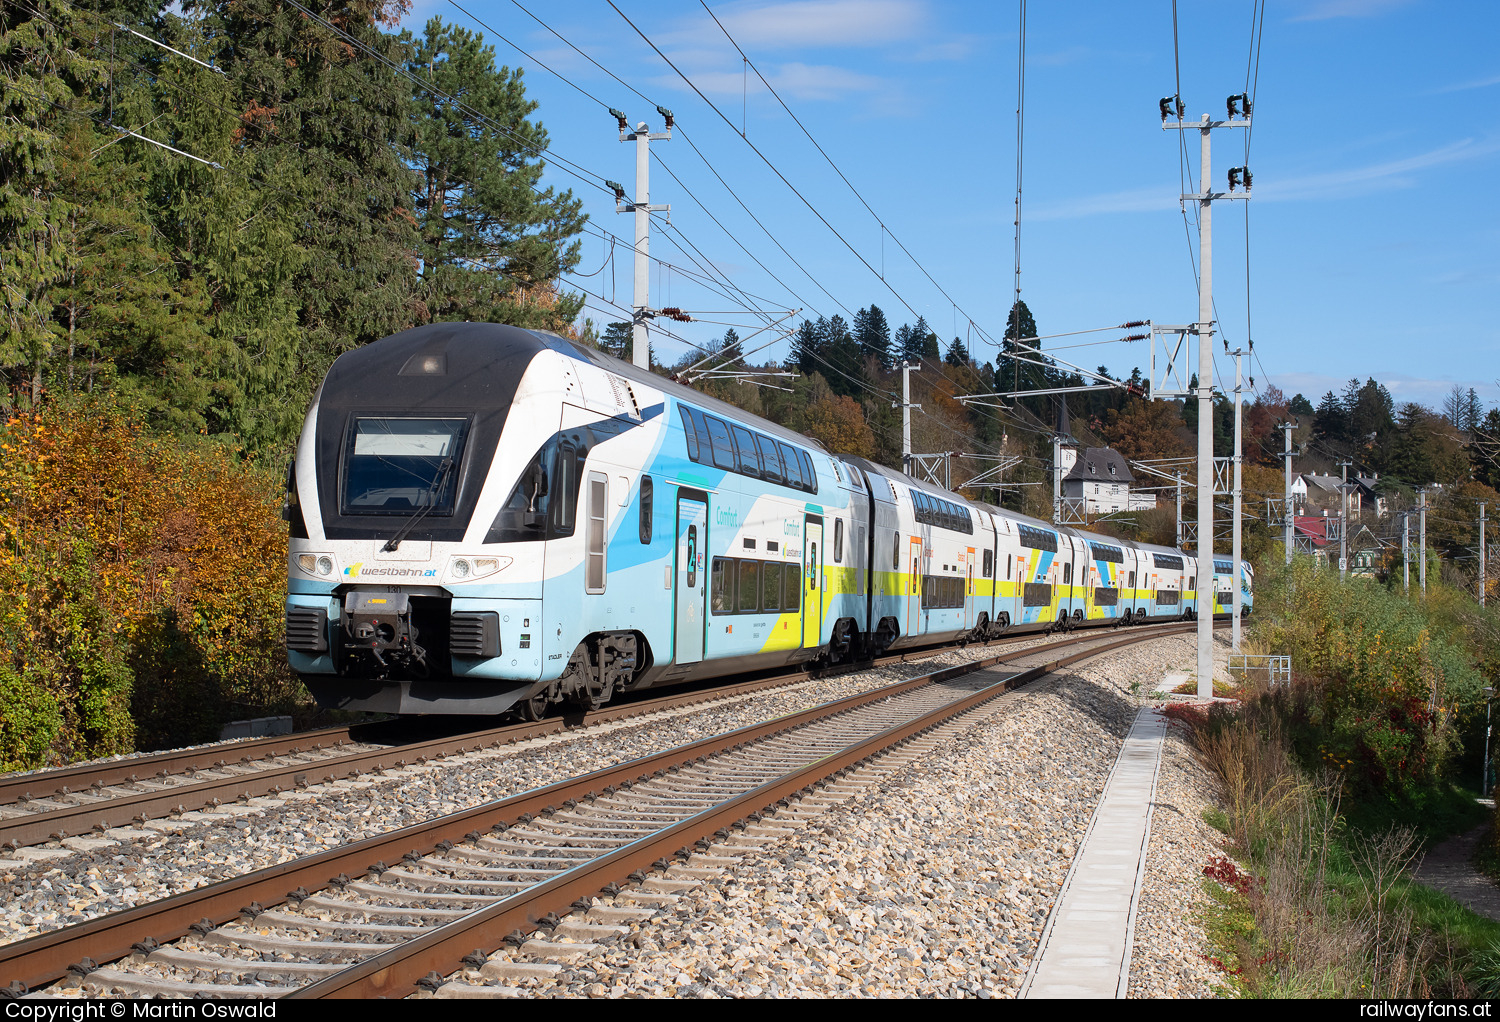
937 881
54 886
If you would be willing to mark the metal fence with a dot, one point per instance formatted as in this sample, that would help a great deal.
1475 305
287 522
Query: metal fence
1275 668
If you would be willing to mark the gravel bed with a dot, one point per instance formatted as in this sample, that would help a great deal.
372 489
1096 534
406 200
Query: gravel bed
1167 960
54 885
937 881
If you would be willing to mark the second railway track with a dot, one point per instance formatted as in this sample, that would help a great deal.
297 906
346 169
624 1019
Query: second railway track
75 802
374 916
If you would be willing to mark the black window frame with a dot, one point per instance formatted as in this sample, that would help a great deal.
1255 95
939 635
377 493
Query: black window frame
647 510
767 570
747 466
723 449
689 432
754 575
772 473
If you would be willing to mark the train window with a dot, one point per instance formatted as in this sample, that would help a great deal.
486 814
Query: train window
565 490
1132 580
749 457
769 458
793 465
989 564
723 585
688 432
749 601
838 541
398 466
1007 566
648 490
770 586
812 567
705 442
896 550
1192 582
1067 574
791 588
723 447
593 574
809 474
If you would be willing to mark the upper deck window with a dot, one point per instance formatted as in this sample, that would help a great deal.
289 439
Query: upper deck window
402 466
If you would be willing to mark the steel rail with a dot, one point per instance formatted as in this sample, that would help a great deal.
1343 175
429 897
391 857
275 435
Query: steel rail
137 807
15 788
395 972
48 957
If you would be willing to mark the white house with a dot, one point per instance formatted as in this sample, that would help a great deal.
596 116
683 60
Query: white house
1101 477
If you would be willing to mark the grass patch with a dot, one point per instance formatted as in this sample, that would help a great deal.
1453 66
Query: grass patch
1310 904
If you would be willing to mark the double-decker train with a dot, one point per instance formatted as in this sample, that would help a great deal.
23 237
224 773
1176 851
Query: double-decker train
486 519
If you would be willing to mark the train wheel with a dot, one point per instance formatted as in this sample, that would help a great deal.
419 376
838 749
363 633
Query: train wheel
535 707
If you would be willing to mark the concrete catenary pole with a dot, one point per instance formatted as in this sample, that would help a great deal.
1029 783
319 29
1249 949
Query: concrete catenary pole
641 312
1205 327
1205 545
1483 568
1406 552
1234 589
906 407
1422 541
1287 525
1343 517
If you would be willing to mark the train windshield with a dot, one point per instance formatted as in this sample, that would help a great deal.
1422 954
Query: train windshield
402 466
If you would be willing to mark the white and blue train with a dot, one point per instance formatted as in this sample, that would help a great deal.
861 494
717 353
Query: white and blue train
486 519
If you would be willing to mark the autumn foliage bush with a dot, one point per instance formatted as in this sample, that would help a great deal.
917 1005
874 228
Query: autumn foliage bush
143 581
1383 682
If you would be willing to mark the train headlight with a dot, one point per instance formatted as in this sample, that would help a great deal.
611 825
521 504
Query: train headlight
317 565
462 569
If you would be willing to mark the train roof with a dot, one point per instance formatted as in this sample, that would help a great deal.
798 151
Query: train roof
677 390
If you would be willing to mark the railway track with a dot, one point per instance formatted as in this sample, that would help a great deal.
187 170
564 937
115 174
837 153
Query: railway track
374 917
93 798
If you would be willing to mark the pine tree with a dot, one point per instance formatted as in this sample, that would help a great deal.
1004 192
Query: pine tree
958 354
616 340
842 352
43 76
489 234
874 335
915 347
807 348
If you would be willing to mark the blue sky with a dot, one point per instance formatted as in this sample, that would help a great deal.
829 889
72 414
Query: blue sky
1374 245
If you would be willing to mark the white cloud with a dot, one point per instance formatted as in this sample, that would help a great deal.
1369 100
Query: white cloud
1373 178
1139 200
1337 184
1482 83
1324 10
805 23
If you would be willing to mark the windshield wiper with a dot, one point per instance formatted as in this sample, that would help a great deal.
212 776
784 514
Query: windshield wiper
432 492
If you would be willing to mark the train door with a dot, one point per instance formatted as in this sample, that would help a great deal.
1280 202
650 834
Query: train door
914 586
692 583
812 582
969 597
